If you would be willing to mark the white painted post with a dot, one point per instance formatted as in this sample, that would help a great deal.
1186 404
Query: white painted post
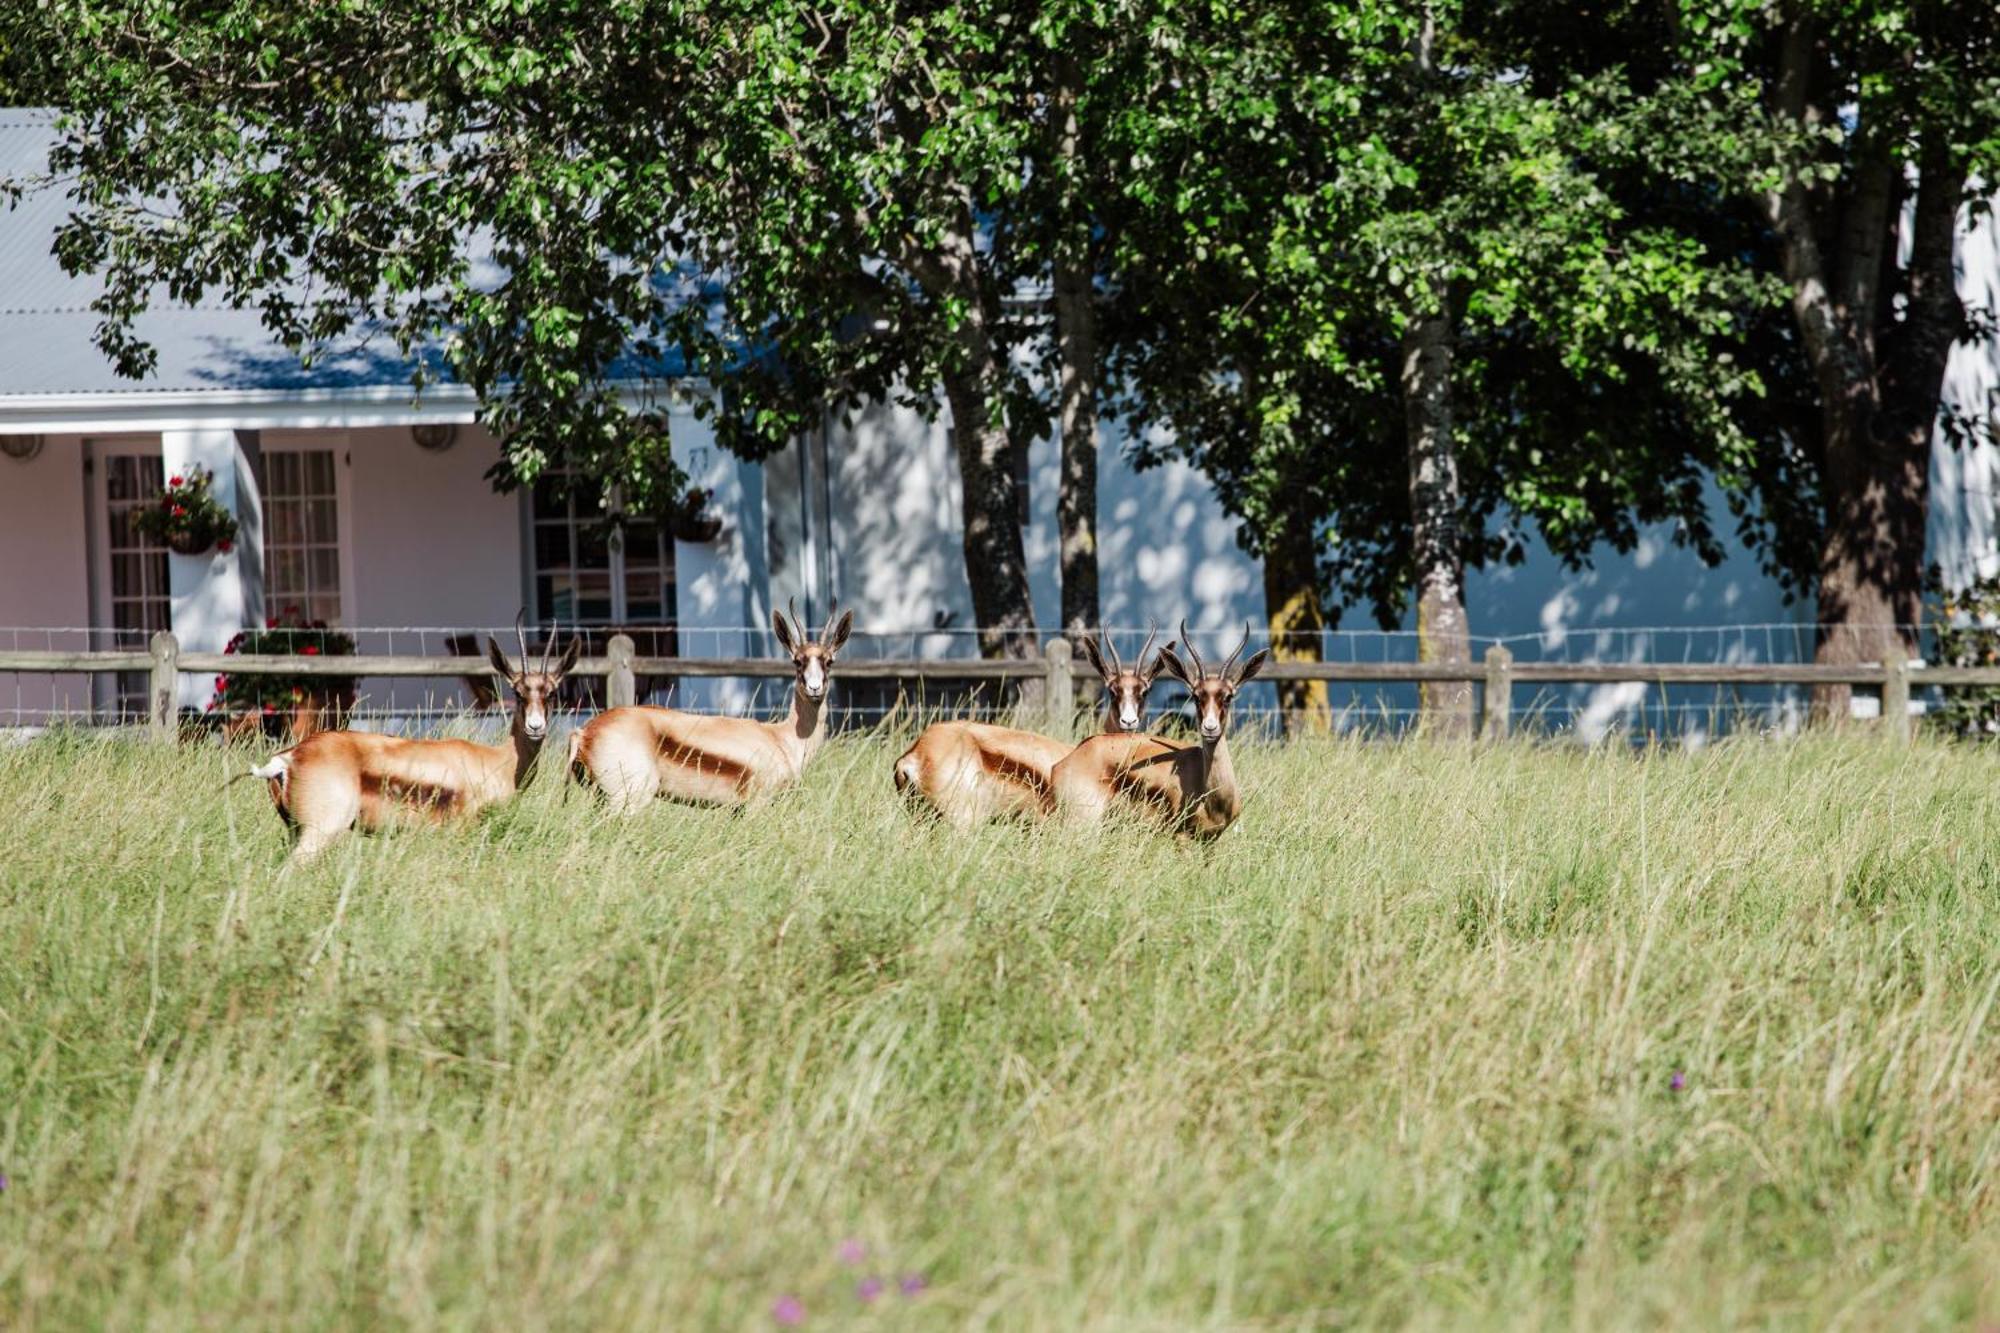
162 695
1896 702
1060 696
207 591
621 687
1499 701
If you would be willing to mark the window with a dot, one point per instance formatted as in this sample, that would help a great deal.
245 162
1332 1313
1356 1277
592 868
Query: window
594 570
140 603
302 534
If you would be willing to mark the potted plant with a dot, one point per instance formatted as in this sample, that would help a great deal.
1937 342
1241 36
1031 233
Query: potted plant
186 518
292 707
692 521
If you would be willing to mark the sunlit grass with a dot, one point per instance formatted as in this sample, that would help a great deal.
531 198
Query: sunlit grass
1398 1049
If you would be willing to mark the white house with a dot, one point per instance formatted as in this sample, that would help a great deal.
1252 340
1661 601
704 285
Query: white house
372 510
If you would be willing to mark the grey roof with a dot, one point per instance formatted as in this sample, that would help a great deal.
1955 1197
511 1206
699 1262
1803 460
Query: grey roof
46 323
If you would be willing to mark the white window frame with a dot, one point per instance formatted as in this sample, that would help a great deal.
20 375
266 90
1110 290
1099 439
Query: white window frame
337 443
620 615
116 692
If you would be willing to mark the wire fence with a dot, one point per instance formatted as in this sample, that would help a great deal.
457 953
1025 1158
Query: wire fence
1370 677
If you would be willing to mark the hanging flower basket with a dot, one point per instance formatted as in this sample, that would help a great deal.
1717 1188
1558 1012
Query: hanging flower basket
692 521
288 707
186 518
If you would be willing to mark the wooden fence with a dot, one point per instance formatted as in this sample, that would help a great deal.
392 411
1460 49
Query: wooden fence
620 668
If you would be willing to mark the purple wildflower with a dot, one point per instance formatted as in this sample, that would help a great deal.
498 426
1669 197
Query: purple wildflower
788 1310
851 1251
1678 1081
3 1182
912 1283
869 1288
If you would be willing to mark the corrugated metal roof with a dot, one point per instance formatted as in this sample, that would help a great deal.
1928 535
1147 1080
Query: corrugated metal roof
46 322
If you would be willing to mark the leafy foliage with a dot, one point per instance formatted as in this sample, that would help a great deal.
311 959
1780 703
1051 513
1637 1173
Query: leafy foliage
1324 196
287 634
186 516
1965 632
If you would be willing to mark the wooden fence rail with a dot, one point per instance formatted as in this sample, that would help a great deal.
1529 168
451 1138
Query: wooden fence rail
620 667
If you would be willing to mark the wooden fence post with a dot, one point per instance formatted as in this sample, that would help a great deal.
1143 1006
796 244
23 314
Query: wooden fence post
621 688
1498 704
1060 696
163 710
1896 702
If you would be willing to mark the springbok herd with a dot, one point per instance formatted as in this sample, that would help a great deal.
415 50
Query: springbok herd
964 772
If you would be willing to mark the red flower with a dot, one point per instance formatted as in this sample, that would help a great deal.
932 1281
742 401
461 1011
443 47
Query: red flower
221 684
225 546
179 512
174 482
310 650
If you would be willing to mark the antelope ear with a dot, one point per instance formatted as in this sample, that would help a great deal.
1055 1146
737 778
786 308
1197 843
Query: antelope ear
1149 671
1254 665
1174 666
784 632
499 660
570 654
836 638
1094 655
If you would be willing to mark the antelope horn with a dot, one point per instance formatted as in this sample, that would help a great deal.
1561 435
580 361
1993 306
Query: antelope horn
549 647
798 630
1152 633
1111 650
832 614
1230 665
521 636
1187 642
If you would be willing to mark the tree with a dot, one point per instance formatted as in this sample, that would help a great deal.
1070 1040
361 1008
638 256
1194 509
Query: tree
812 204
1423 293
1857 130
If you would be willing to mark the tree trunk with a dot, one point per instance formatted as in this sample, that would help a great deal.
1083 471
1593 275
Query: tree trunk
1872 552
1293 602
996 562
1442 633
996 559
1879 381
1076 350
1076 502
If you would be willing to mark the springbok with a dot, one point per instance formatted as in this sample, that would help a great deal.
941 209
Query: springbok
337 780
970 772
1189 788
635 754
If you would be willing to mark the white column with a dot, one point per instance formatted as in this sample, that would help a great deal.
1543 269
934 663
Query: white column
207 590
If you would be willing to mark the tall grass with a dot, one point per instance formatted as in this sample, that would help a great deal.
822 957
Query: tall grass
1401 1049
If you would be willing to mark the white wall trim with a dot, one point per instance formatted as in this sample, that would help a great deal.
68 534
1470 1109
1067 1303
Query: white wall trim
271 409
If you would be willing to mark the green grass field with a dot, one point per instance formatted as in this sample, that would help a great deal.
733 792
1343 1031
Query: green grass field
1400 1049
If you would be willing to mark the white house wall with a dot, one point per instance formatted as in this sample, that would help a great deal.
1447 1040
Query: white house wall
430 546
1166 548
1962 530
44 573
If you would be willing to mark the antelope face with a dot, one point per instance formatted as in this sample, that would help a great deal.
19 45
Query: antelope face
1125 689
534 690
1213 692
812 659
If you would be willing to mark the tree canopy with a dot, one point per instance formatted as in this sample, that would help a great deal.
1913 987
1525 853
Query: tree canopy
1411 281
